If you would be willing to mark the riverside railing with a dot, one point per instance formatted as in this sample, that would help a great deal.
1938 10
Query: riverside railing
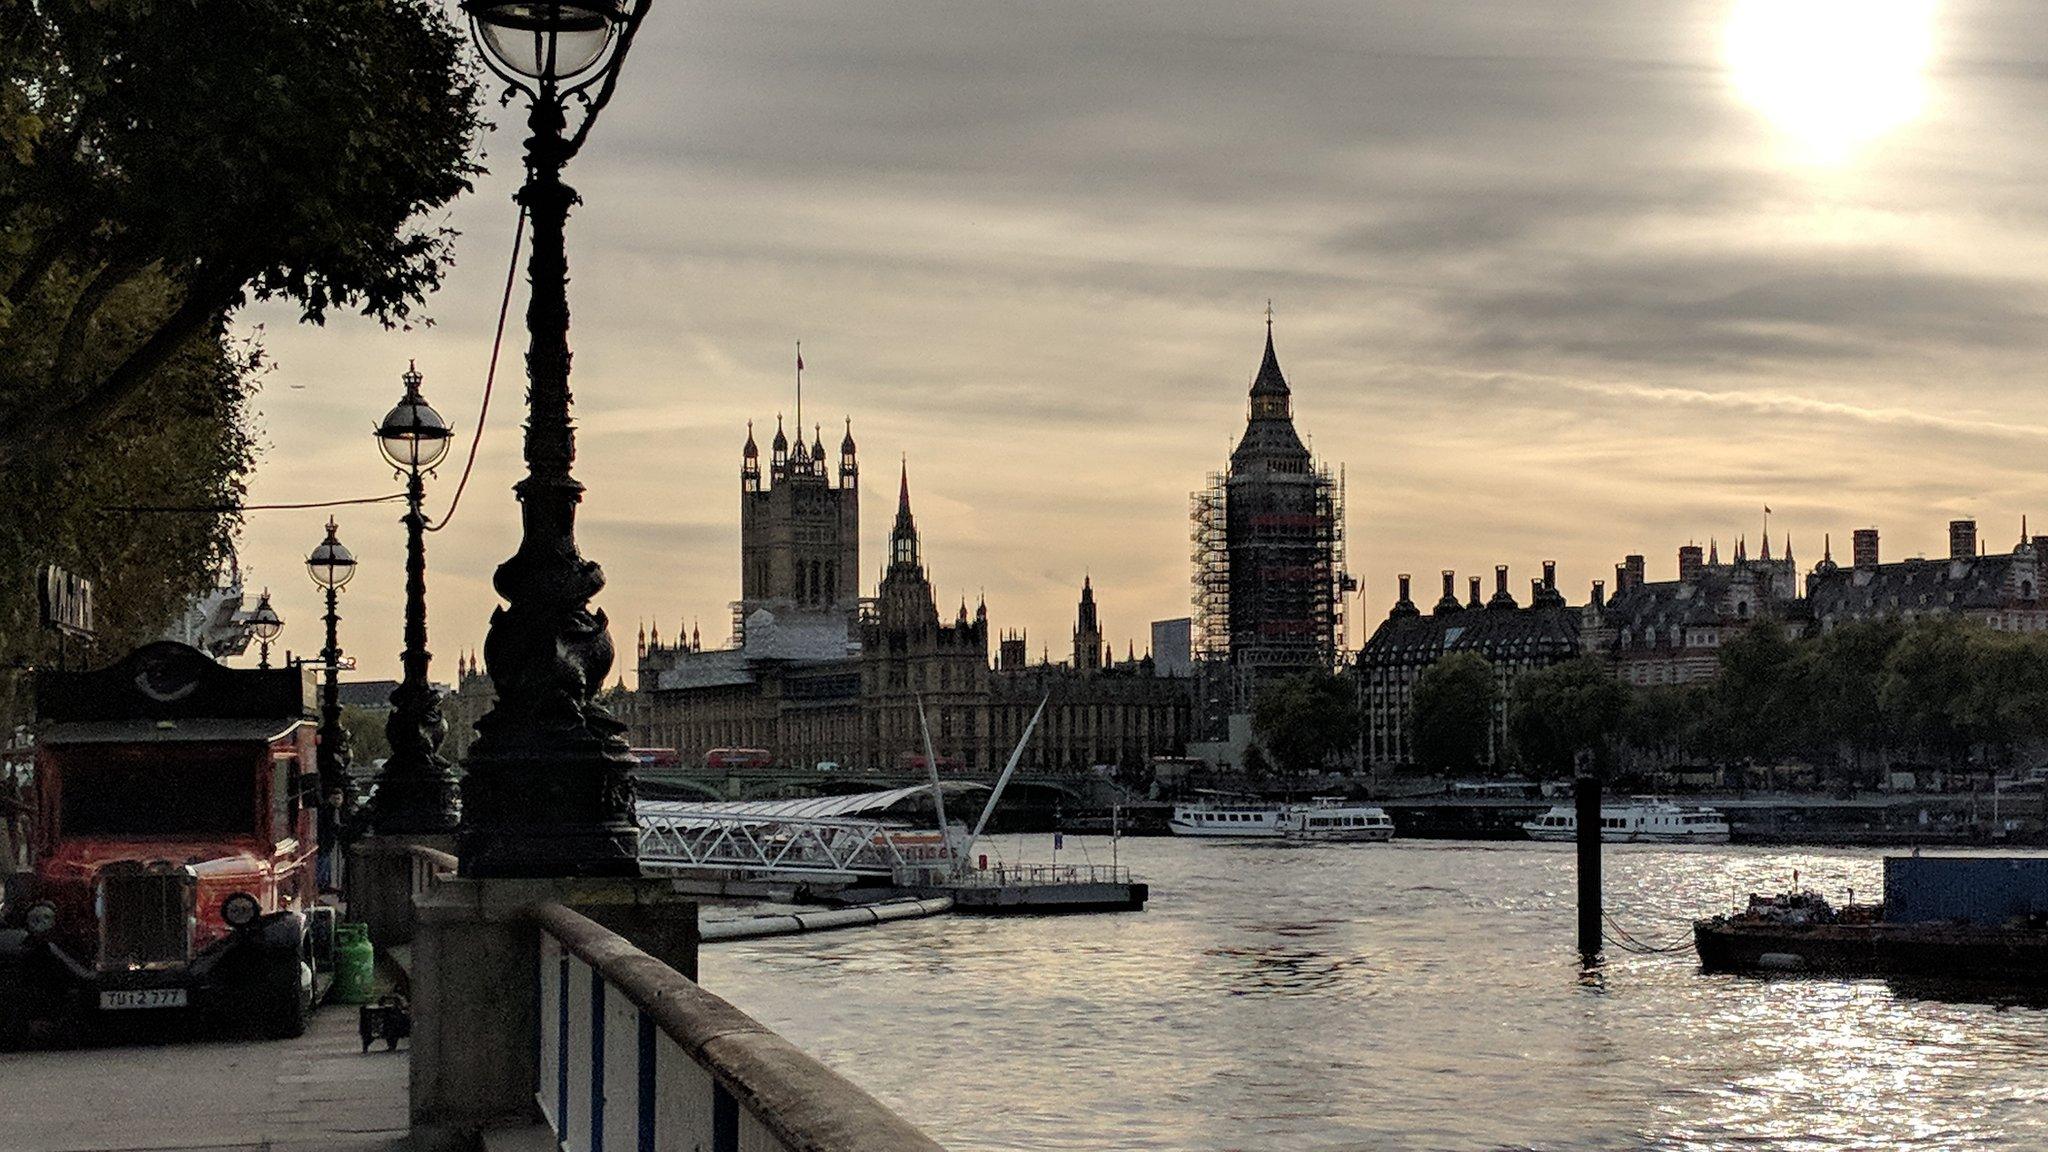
1005 874
632 1056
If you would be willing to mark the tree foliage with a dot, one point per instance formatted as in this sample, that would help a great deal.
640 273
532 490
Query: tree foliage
1560 711
1453 704
1851 702
163 162
1305 721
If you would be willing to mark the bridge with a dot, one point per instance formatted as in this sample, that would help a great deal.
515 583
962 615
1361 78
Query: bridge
1029 789
835 837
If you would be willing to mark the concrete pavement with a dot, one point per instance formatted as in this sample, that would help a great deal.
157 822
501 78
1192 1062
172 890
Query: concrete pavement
216 1094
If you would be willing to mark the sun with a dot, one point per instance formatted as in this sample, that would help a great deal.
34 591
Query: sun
1832 75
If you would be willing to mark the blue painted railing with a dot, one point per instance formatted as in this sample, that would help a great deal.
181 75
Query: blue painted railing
634 1057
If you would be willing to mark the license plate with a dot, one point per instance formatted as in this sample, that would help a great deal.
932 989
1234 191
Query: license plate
143 998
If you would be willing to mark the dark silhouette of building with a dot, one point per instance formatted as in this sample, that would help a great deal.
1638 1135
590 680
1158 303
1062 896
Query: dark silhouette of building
1514 639
799 534
1269 549
817 675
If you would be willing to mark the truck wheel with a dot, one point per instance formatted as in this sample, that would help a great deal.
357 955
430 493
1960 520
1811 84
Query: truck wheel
14 1012
287 998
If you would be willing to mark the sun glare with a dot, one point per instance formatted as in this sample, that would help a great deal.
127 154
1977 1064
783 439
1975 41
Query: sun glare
1832 75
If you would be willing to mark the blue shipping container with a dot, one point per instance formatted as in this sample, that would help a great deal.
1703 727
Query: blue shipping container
1981 889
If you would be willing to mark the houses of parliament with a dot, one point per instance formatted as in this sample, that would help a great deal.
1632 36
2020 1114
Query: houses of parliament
816 673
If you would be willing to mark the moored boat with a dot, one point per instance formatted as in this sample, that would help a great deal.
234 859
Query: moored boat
1326 818
1643 820
1980 919
1337 819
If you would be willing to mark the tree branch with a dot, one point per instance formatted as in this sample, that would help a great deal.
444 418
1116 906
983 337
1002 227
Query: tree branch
55 430
103 284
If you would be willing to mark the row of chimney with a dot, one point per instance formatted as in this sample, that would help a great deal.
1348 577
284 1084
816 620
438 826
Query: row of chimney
1540 591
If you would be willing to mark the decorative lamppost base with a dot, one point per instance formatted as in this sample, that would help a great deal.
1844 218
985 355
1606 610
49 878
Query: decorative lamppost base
553 815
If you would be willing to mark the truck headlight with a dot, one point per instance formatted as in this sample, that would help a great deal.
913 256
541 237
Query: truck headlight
40 917
240 910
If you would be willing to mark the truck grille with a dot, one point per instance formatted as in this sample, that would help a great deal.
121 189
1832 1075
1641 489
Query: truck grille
144 916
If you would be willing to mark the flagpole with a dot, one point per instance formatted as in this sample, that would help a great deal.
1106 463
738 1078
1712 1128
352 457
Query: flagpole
799 390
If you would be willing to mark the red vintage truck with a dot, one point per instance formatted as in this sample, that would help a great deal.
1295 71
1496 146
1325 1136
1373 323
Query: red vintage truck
172 845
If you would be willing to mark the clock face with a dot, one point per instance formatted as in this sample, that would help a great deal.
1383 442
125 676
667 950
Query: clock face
165 677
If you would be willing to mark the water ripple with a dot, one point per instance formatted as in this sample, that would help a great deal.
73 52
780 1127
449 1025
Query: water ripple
1406 996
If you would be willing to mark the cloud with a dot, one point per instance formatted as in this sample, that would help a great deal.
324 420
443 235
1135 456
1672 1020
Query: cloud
1545 285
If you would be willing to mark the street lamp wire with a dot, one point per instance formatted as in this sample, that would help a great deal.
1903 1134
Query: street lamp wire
213 508
490 376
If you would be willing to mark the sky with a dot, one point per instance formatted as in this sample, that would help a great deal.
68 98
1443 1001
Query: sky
1552 279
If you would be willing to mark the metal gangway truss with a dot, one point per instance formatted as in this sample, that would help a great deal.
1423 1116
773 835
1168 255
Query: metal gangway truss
826 836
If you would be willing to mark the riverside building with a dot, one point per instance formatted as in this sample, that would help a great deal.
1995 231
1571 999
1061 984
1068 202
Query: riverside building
815 674
1269 570
1514 638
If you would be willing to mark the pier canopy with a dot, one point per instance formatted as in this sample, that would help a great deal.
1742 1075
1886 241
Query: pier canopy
805 808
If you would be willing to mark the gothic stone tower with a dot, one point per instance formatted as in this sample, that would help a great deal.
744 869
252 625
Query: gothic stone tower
909 655
1087 631
799 534
1284 545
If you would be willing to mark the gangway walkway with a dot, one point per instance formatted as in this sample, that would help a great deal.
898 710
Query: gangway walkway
831 836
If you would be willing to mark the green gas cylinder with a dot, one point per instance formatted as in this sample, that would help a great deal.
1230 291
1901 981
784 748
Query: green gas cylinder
355 968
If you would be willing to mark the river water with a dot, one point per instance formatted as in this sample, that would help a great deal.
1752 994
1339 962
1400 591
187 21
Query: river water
1419 995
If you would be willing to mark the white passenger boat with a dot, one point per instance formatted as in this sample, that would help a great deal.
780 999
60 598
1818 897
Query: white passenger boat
1643 820
1335 818
1325 818
1225 817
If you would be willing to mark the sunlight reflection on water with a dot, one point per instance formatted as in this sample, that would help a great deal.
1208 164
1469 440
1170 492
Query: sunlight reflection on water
1400 996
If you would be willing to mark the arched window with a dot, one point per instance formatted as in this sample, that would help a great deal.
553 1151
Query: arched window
1742 609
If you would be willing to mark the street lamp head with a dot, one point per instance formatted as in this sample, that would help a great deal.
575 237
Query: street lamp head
546 40
331 564
264 622
413 437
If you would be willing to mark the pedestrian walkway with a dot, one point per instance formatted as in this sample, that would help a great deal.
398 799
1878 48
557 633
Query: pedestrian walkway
318 1092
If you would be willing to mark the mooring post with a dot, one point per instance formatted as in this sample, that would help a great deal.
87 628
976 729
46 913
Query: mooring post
1586 795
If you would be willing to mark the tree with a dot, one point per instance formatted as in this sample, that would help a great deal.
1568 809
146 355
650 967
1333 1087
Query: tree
201 154
1753 707
1304 721
1840 708
1925 685
2007 700
365 729
1453 705
161 163
1560 711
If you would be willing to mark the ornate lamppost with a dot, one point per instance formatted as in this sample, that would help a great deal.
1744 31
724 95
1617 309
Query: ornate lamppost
331 565
547 789
416 789
264 625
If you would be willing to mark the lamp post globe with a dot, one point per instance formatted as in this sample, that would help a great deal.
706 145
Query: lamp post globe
331 564
547 787
416 789
546 40
264 625
413 437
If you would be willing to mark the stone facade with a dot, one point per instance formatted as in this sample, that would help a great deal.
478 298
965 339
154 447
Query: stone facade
1661 633
1669 632
825 678
1515 639
2001 590
1269 573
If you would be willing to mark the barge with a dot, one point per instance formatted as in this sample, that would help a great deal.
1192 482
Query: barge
1972 918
